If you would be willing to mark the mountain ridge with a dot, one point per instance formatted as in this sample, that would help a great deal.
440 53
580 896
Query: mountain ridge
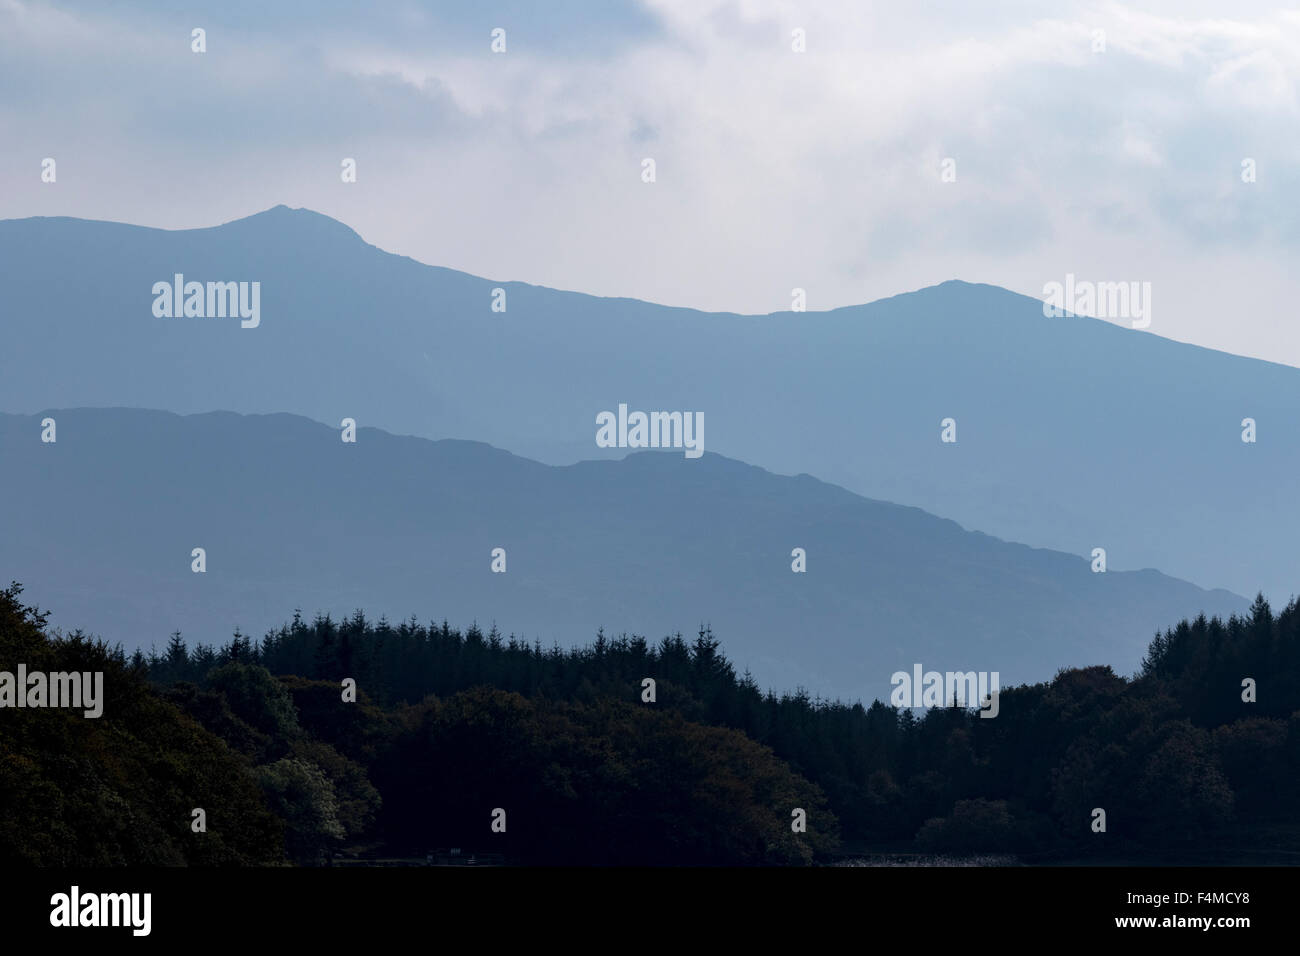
1072 433
303 215
652 543
281 214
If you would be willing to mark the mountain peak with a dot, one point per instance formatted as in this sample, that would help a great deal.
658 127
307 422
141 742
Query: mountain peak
298 222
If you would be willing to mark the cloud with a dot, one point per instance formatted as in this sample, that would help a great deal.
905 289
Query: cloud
776 169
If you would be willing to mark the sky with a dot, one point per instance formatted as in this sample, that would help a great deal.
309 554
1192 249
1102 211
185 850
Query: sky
1103 140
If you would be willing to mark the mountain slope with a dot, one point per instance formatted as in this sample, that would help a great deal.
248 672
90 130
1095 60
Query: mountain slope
100 526
1072 433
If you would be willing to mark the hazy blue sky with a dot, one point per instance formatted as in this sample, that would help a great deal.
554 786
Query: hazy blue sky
775 169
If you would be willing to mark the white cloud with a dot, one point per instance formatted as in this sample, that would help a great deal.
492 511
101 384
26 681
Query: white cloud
776 169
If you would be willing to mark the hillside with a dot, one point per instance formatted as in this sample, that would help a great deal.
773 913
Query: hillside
1072 433
291 516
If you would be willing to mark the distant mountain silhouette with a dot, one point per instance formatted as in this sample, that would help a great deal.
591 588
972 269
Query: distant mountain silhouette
1072 433
101 524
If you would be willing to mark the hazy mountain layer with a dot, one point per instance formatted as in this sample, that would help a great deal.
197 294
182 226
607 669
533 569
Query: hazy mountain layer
101 525
1072 433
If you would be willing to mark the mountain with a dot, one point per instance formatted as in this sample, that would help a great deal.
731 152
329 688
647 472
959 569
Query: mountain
100 526
1073 433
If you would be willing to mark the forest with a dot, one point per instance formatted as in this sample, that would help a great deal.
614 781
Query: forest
351 740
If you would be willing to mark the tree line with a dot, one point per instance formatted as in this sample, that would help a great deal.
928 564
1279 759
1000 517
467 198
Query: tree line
1197 753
